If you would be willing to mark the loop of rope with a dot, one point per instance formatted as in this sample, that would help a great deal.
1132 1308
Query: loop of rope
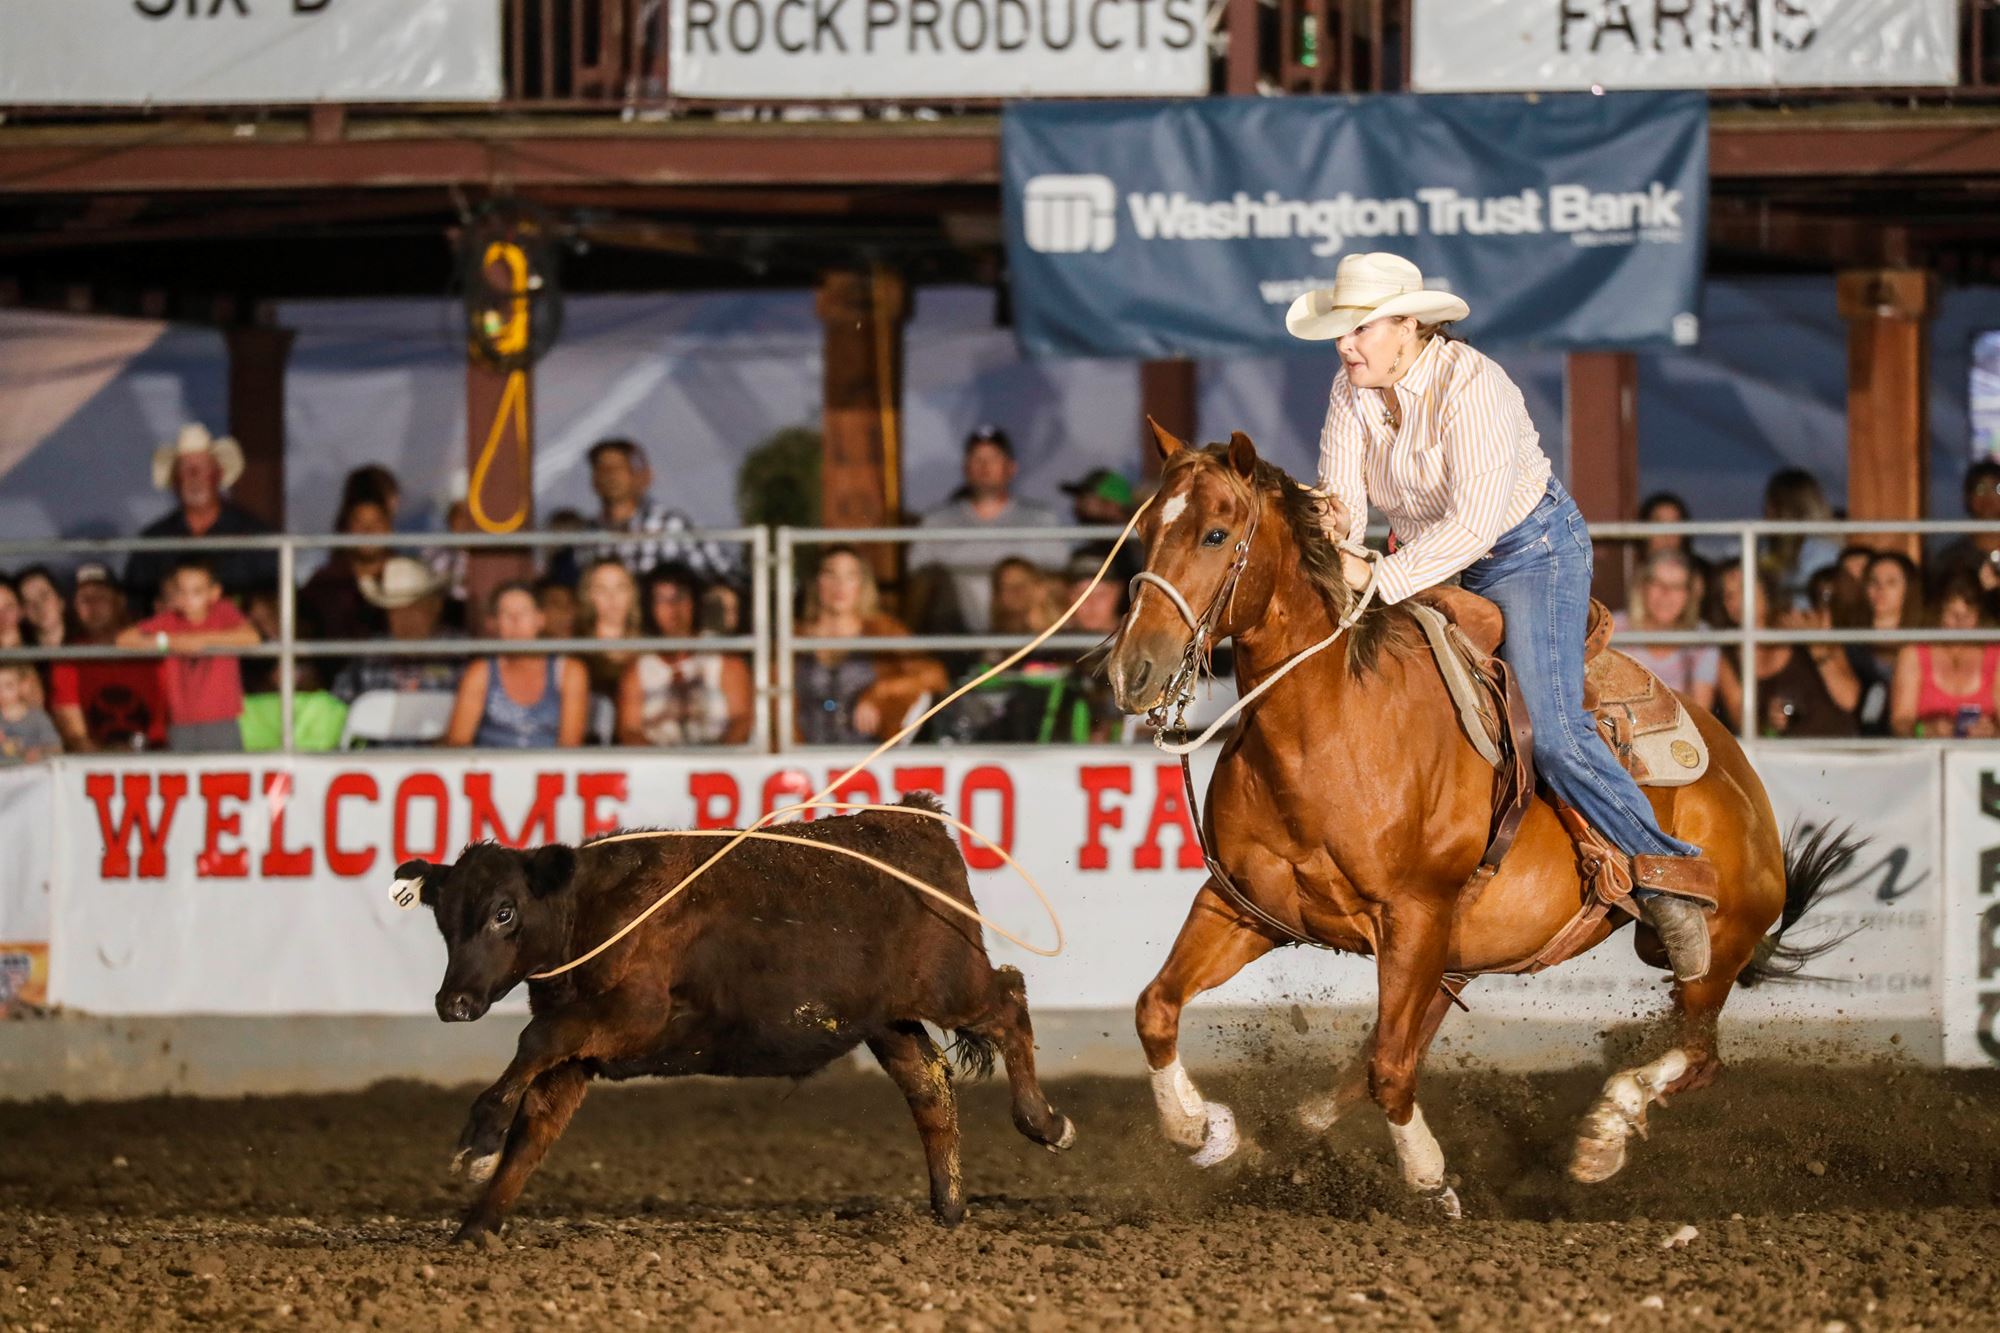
819 799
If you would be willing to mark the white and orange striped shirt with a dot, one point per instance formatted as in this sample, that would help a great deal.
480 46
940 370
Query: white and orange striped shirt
1465 466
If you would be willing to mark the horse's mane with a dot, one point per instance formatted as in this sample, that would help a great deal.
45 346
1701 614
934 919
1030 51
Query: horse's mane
1380 629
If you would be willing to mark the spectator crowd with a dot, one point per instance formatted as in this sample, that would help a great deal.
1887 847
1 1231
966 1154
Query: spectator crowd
178 613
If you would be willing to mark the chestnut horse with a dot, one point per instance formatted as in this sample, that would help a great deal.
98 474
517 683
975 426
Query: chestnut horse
1349 810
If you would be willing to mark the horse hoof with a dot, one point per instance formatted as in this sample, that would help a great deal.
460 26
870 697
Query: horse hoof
1317 1117
1221 1141
480 1169
1444 1199
1066 1139
1597 1160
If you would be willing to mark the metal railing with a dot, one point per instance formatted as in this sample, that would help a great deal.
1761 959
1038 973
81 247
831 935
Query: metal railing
774 643
288 649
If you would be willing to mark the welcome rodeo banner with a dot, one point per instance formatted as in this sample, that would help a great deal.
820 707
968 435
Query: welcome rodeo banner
1162 229
241 885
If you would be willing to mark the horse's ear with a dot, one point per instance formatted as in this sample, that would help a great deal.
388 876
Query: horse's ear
1242 454
1169 443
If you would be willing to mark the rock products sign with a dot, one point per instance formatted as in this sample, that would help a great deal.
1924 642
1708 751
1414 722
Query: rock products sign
1540 45
214 52
936 48
1162 229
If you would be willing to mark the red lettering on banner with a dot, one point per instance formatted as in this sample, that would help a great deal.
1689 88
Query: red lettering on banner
716 799
479 796
138 793
987 777
787 786
339 860
421 786
923 777
1098 779
213 862
862 788
280 861
1169 807
594 787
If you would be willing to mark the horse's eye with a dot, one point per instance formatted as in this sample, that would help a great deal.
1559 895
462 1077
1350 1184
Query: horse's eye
1214 537
503 916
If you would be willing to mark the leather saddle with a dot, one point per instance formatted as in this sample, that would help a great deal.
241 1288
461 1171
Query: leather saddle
1647 727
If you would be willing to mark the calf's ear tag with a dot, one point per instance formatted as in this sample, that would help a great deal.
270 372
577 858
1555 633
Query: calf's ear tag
407 892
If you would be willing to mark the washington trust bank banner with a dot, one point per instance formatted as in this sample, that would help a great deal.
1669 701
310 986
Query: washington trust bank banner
1161 229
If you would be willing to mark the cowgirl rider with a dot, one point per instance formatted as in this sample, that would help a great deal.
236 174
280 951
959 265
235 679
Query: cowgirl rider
1437 437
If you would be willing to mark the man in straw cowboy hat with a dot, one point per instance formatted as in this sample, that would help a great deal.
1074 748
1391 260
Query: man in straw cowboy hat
1438 438
198 468
411 594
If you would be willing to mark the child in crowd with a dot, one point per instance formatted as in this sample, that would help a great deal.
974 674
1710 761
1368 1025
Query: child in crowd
204 693
27 736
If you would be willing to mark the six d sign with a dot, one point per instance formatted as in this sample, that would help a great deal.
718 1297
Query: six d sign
197 9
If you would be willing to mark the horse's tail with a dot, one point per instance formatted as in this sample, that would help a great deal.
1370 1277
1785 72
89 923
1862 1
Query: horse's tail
1812 858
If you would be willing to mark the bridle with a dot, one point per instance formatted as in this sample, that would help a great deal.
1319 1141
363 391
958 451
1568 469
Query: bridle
1180 686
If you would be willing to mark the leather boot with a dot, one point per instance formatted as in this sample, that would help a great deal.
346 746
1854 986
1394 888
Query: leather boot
1684 893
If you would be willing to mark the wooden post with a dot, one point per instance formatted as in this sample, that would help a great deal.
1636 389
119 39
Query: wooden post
1888 373
861 481
1602 393
1167 395
500 472
257 357
1240 71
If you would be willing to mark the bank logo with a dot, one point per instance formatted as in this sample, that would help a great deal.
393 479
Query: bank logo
1070 215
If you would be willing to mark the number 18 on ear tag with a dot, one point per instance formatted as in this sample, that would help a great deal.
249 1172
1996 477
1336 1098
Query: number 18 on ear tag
407 892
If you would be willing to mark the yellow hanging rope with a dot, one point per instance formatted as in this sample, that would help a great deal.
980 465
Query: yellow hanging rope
819 799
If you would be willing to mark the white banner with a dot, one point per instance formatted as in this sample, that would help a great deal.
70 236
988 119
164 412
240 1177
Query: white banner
1551 45
806 49
211 52
1972 907
233 885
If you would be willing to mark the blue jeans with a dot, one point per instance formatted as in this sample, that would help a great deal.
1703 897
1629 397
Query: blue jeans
1538 574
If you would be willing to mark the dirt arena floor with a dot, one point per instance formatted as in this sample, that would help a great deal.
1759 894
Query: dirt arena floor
1855 1199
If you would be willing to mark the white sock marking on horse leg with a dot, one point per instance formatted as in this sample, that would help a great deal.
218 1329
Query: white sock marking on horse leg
1182 1115
1619 1110
1172 509
1418 1152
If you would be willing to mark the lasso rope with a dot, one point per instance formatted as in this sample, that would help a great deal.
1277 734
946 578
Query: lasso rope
819 799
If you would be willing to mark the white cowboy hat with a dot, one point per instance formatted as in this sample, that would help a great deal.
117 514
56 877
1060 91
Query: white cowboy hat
1365 287
404 581
195 439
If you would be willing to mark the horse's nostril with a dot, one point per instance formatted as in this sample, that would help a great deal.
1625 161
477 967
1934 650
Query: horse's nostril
1141 678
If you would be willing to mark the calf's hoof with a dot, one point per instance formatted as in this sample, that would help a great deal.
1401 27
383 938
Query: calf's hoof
1065 1137
478 1169
479 1233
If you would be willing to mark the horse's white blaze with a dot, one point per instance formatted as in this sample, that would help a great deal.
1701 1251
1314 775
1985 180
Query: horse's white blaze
1418 1153
1175 506
1182 1114
1618 1111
